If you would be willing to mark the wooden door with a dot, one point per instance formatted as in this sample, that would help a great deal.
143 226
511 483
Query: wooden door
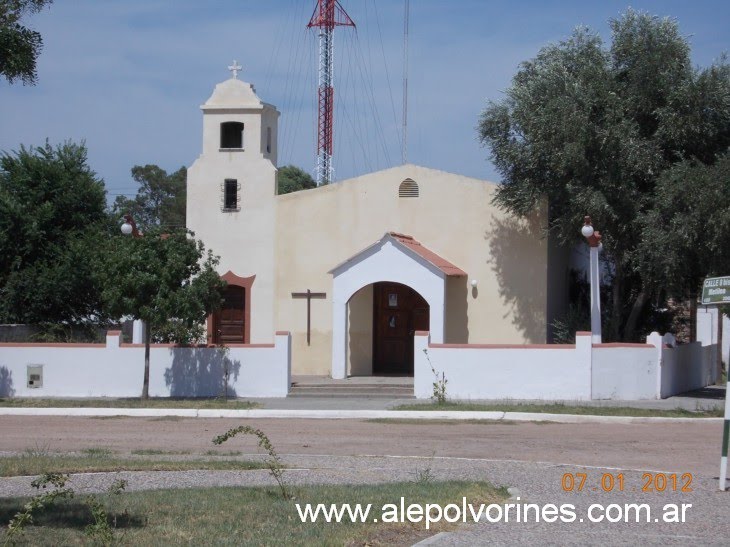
230 320
398 312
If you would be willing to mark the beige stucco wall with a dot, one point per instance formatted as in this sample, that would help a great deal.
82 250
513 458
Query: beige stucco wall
320 228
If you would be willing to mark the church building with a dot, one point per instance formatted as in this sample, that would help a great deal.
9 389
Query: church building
353 269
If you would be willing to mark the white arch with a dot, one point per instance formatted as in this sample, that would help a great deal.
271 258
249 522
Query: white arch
384 261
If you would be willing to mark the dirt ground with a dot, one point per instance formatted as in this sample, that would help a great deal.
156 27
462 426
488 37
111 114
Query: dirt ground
687 447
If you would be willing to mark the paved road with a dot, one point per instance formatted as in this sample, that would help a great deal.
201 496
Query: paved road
531 457
693 447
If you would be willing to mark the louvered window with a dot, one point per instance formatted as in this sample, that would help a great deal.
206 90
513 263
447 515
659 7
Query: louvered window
408 189
229 195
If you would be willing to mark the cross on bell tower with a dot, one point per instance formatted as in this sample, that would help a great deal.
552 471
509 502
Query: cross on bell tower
234 68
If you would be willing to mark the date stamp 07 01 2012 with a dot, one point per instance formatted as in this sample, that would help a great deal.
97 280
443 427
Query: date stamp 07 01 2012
616 482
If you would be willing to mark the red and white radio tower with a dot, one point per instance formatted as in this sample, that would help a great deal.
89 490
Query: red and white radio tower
327 15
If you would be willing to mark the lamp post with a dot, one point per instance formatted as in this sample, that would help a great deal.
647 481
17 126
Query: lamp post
594 241
139 330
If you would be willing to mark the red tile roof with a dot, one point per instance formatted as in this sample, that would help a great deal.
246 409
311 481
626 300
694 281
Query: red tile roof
441 263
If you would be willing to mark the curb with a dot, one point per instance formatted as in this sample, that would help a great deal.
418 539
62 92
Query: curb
259 413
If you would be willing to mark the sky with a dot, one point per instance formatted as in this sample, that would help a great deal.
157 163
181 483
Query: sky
127 77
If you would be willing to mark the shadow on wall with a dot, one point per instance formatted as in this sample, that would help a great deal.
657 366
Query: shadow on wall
360 332
512 244
6 382
201 372
456 324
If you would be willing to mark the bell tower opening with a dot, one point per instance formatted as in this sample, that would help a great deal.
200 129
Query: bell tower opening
231 135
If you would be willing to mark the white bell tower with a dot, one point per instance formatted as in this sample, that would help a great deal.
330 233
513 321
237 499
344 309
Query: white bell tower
231 192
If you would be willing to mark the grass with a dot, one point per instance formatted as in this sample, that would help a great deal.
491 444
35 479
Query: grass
222 453
248 516
94 452
559 408
35 462
131 402
154 452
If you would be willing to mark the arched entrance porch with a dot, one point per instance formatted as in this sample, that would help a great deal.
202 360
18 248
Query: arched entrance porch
398 259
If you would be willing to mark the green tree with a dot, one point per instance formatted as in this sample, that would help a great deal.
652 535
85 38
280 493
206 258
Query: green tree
52 210
593 128
292 179
19 46
160 200
686 232
162 278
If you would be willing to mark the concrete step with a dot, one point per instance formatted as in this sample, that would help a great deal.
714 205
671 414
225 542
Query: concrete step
379 391
350 395
345 395
350 386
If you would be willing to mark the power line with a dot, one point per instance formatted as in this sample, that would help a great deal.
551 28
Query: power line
404 140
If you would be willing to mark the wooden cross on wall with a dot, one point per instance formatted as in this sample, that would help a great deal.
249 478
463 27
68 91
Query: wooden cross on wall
309 295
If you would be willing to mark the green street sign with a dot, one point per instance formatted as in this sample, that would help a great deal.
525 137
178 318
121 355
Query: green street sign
716 290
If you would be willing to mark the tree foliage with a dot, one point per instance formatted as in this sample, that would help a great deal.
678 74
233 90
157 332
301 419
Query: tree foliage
687 232
292 179
159 277
594 129
160 200
19 45
166 279
52 212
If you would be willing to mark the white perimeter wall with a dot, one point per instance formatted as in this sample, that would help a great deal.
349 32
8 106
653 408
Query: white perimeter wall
563 372
501 372
707 329
549 372
687 367
624 371
111 370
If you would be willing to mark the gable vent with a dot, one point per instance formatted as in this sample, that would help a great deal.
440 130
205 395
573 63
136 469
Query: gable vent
408 189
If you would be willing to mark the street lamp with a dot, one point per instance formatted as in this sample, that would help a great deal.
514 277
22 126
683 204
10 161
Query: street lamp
594 241
130 227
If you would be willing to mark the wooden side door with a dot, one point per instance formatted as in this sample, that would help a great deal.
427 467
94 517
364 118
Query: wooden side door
230 320
398 312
